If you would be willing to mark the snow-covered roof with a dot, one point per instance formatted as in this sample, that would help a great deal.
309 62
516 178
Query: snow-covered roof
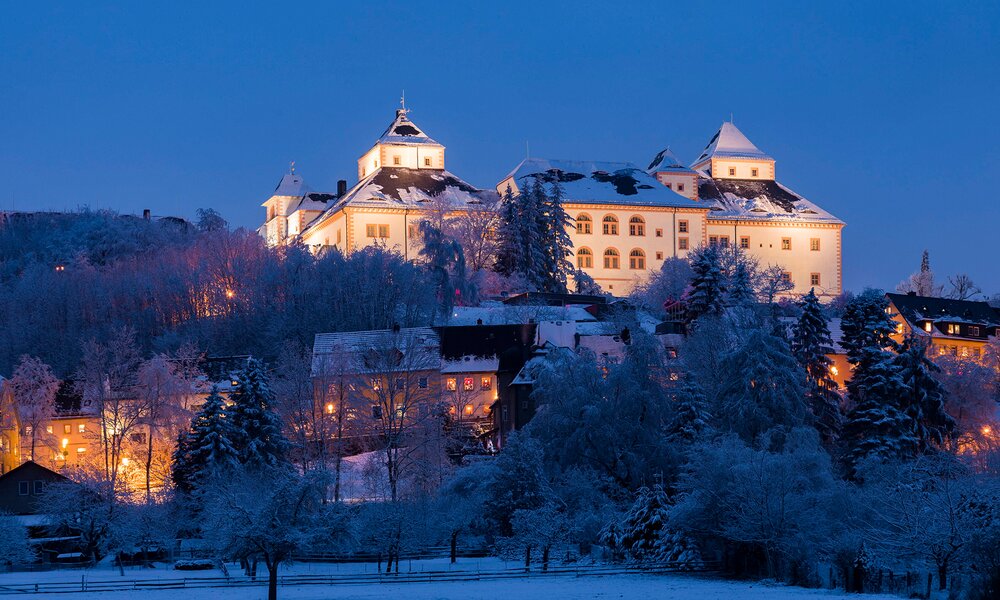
729 142
404 131
291 184
590 182
757 199
506 314
419 348
471 364
665 161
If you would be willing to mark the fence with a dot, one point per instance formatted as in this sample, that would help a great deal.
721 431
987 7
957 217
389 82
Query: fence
83 585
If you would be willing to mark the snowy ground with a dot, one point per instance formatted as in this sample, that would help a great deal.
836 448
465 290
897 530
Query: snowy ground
622 587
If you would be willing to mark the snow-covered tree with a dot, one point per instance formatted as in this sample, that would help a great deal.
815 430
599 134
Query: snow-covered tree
583 283
922 398
541 528
877 426
811 344
510 257
690 411
517 483
773 281
645 523
922 282
444 258
257 436
963 288
34 388
14 546
207 450
557 245
707 289
160 388
739 291
665 286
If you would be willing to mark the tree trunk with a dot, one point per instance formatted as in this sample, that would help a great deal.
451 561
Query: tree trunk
943 575
545 558
272 583
527 558
454 546
149 463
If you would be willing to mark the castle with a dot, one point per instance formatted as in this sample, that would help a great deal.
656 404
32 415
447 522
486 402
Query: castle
627 220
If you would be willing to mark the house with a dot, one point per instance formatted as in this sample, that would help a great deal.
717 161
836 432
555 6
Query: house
959 328
22 487
10 429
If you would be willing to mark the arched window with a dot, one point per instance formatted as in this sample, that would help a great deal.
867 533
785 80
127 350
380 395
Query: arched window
584 224
610 225
584 258
637 259
611 258
637 226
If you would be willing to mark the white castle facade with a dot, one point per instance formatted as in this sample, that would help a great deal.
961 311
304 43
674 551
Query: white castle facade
628 220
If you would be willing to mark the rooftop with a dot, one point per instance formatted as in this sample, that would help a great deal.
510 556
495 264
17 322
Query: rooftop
765 199
729 142
916 309
404 131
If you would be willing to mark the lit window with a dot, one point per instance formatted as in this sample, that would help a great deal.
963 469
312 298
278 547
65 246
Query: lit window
745 242
637 259
48 429
682 243
584 258
371 231
583 224
682 226
383 231
753 172
81 450
732 171
451 384
468 409
786 243
928 326
414 231
636 226
376 385
899 328
82 428
814 279
376 231
28 430
486 382
814 244
610 225
67 428
952 329
468 384
427 161
395 160
659 256
611 259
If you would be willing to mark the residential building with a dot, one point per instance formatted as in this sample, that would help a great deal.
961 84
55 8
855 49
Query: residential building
959 328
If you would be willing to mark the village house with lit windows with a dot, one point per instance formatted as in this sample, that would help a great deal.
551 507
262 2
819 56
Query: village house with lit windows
626 220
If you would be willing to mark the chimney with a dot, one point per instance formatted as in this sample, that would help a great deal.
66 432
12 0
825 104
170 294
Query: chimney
911 293
341 188
145 213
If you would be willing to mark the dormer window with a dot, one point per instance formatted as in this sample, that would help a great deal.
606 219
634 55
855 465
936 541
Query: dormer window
974 330
732 171
928 326
952 329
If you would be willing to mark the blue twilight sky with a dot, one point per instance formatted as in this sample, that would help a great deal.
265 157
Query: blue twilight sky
885 114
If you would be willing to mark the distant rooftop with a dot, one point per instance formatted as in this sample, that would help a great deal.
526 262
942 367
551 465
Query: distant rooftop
729 142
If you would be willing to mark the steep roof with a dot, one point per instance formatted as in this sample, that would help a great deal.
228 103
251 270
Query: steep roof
590 182
916 309
729 142
666 161
291 184
758 199
404 131
421 344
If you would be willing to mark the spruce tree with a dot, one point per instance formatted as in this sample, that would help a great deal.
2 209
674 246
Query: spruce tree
180 467
707 290
557 243
811 343
740 288
445 260
209 445
876 426
645 524
922 399
256 427
509 259
534 228
867 329
690 413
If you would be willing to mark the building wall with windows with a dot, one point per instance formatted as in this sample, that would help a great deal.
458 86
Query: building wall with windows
65 441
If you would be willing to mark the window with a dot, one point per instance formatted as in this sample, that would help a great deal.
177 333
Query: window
468 409
682 243
38 487
928 326
584 225
732 171
637 259
400 383
48 429
451 384
611 257
974 330
786 243
422 383
427 161
139 437
814 244
713 240
724 241
376 384
395 160
659 256
67 428
786 277
636 226
376 412
952 329
468 384
682 226
753 172
680 187
81 428
81 450
610 225
669 187
659 232
486 382
23 488
745 242
584 258
814 279
414 231
376 231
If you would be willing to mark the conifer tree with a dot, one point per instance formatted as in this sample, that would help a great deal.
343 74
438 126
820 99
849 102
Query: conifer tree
867 330
811 343
707 284
740 288
445 260
534 230
923 398
645 524
690 416
257 428
209 445
509 259
180 468
557 243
